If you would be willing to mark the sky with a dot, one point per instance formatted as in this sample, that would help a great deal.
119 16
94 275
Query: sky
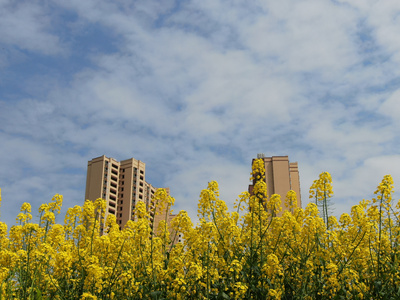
195 89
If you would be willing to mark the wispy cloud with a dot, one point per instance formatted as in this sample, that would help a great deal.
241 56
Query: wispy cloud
27 25
196 90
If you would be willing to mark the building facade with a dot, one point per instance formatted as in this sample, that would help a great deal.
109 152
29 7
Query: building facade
281 176
122 184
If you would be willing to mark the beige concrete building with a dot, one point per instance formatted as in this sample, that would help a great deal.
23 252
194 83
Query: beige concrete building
281 176
122 184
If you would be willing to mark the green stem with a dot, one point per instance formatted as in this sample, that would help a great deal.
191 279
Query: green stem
380 235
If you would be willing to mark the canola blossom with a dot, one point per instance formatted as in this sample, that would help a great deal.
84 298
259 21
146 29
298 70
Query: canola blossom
249 253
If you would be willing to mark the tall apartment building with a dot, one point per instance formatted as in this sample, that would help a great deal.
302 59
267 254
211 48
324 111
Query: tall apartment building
281 176
122 184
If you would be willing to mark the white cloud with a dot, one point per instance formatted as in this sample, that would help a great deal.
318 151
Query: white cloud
391 106
362 182
196 90
303 36
27 26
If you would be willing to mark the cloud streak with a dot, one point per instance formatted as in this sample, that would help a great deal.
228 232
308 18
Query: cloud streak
196 90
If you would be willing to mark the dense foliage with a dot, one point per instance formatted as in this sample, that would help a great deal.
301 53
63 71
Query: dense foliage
249 253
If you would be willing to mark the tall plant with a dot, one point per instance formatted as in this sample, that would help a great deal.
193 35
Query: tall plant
322 192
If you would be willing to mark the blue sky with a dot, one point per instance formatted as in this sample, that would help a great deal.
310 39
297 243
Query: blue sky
196 89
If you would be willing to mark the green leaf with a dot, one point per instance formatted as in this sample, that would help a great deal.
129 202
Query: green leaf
38 294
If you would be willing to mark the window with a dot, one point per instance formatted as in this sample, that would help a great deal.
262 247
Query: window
122 182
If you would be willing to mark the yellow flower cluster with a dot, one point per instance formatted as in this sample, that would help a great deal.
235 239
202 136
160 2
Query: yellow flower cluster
251 253
321 190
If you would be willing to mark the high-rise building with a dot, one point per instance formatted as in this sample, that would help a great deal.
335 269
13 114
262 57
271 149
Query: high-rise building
281 176
122 184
